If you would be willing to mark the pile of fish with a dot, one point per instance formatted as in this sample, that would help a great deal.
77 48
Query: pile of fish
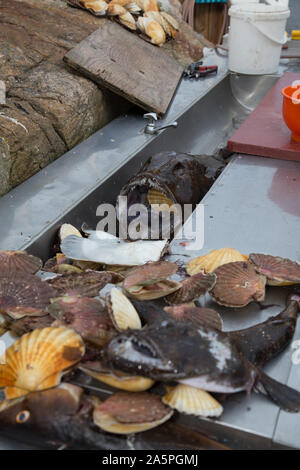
132 328
142 16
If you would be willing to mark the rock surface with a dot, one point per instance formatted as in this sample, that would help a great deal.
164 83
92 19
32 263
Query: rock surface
50 108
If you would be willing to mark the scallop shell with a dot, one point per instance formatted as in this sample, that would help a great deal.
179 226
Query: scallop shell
28 324
192 401
279 271
149 273
98 7
87 283
156 198
123 313
127 20
123 3
26 295
196 316
154 291
121 381
13 263
133 8
171 20
155 31
36 361
238 284
150 5
88 317
68 229
115 9
215 258
192 288
128 413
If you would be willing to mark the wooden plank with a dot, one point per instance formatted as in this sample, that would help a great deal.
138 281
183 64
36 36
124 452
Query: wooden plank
124 63
264 132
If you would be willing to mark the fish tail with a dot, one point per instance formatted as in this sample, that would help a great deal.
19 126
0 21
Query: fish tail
285 397
295 298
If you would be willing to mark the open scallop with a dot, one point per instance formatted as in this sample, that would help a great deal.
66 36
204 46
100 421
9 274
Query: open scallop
37 360
192 401
214 259
117 379
278 271
238 284
129 413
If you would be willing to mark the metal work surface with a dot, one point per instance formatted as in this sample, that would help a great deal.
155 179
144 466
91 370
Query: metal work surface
253 206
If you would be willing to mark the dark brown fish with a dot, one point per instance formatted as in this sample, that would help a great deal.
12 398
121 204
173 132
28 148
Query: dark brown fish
262 342
181 178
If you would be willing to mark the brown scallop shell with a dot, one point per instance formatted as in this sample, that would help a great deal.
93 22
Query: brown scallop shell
154 291
26 295
149 273
18 262
28 324
86 316
192 288
238 284
87 283
196 316
279 271
128 413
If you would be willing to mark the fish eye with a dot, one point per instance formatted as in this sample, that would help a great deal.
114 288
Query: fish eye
23 416
143 349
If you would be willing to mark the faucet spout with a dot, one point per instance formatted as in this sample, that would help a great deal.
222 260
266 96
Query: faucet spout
151 128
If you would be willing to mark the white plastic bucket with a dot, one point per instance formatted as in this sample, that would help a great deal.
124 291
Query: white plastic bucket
256 36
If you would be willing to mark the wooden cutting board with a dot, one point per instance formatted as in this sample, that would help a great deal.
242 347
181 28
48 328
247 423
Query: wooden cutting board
264 132
135 69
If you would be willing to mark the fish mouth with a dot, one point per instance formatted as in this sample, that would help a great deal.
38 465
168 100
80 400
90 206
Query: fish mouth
133 353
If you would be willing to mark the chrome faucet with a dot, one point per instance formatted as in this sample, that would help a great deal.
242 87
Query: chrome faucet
151 126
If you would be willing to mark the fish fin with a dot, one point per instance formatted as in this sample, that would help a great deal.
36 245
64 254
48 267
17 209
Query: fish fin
286 397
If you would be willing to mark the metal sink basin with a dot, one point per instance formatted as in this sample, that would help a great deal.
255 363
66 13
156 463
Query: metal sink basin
70 190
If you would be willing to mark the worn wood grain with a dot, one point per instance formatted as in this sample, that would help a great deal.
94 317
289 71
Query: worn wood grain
121 61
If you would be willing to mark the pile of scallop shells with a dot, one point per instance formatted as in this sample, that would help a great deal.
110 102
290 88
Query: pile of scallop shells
142 16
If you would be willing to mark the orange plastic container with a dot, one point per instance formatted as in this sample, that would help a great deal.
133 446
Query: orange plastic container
291 109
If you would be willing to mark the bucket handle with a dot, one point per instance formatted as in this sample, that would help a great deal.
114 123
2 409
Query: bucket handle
277 41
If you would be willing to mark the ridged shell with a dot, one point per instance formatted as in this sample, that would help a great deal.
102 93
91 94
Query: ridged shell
88 317
123 313
133 8
154 196
115 9
28 324
279 271
150 5
36 361
87 283
192 288
170 19
196 316
127 20
238 284
149 273
192 401
215 258
128 413
26 295
68 229
122 382
155 31
13 263
98 7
